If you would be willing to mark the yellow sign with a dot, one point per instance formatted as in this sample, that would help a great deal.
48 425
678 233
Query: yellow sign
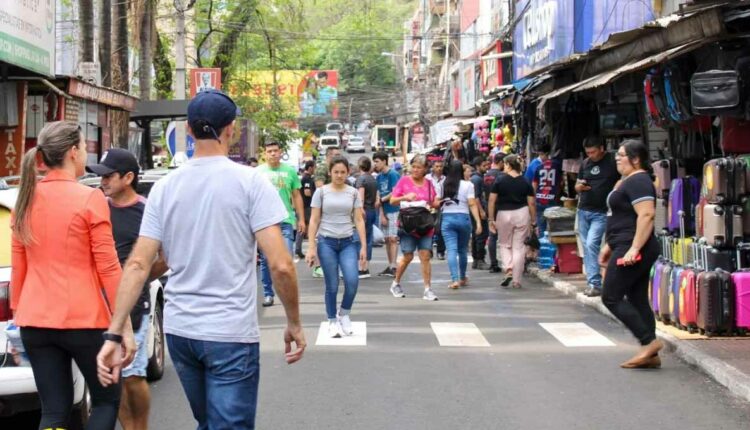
310 93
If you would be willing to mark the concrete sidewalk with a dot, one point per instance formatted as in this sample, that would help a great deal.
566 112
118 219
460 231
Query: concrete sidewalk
725 360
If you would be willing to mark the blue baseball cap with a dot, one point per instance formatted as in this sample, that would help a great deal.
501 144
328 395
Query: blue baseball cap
211 110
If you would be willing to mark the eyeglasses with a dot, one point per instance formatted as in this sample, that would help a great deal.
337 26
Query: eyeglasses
617 154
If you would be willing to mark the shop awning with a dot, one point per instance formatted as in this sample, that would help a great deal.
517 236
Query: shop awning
471 121
607 77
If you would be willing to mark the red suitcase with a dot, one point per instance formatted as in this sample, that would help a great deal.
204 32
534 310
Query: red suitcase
688 302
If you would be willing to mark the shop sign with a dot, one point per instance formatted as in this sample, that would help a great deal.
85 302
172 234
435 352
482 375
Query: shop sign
595 21
12 138
27 34
204 79
90 72
467 87
101 95
543 36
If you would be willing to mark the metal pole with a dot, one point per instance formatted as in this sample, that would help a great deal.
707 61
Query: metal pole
180 75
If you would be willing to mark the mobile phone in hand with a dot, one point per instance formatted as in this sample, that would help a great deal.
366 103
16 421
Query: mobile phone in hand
621 261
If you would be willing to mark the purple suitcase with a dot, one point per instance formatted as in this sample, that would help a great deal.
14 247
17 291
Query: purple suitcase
741 280
684 195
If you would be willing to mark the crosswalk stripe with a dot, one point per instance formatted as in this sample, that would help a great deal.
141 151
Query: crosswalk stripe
359 338
458 334
576 334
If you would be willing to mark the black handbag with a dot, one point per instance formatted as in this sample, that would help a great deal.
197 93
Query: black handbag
416 221
532 241
717 92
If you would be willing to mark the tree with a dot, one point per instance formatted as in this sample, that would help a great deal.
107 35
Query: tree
120 47
86 22
105 41
162 67
144 16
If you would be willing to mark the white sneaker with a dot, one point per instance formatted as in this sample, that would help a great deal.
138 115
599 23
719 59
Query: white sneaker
346 325
334 329
429 295
396 290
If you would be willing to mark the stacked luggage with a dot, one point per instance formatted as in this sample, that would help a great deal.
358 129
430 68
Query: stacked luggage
701 282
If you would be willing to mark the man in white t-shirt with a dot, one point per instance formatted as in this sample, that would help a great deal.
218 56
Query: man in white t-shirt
208 216
437 178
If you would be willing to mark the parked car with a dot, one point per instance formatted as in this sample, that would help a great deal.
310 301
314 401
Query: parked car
356 144
328 141
335 127
18 392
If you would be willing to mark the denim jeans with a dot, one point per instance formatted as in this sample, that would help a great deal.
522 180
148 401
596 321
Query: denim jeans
220 380
371 217
287 230
456 231
591 227
541 221
334 254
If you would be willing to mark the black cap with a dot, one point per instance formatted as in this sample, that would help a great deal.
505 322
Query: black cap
115 160
211 109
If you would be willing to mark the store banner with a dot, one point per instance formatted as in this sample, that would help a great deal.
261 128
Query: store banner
443 131
204 79
12 139
544 34
308 93
595 21
27 34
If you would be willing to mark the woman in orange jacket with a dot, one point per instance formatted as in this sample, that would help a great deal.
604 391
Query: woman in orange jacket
64 278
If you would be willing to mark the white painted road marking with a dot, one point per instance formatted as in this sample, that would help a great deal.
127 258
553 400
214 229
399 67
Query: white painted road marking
576 334
459 334
359 338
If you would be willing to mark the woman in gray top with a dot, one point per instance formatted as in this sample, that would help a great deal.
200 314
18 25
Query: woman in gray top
331 233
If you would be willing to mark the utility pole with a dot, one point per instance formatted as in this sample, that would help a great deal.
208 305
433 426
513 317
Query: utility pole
180 75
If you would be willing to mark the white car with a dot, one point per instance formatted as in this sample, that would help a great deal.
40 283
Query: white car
356 144
334 127
18 392
328 142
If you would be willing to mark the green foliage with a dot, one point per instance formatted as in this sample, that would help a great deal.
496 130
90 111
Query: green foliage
272 120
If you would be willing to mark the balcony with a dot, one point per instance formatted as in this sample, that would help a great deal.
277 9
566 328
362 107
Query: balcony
438 7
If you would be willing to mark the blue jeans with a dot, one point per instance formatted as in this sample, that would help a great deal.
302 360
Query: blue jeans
334 254
220 380
456 230
371 217
591 226
287 230
541 221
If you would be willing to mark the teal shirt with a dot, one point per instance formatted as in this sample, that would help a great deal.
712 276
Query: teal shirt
284 178
386 183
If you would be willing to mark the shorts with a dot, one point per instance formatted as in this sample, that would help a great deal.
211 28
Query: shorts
391 230
410 243
140 362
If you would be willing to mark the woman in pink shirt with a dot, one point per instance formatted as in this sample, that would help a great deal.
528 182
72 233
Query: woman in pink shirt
415 195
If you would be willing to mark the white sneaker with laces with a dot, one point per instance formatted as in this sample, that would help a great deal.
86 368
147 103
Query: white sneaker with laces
396 290
334 329
346 325
429 295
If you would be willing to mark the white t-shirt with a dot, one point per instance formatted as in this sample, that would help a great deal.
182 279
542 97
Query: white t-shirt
465 192
206 214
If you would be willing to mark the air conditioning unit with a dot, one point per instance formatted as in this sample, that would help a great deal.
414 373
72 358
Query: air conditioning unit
8 104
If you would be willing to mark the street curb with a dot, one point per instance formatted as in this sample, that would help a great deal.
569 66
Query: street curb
735 381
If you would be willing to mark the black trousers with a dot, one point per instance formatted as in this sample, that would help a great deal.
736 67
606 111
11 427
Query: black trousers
50 353
625 291
478 242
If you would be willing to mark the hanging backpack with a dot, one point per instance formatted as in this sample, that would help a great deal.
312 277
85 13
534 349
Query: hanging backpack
677 92
648 91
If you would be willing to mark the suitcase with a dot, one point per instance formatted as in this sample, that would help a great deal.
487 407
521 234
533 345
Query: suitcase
735 135
722 225
741 281
681 275
660 219
657 271
688 298
746 160
724 180
698 216
684 195
715 258
665 284
665 171
715 303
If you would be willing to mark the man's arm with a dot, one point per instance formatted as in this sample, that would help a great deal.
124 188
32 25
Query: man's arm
284 277
299 208
159 268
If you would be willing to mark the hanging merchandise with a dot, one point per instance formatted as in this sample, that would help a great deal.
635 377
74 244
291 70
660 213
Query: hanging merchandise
677 91
735 135
481 137
656 104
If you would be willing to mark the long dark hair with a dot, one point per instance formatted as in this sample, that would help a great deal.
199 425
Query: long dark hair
454 174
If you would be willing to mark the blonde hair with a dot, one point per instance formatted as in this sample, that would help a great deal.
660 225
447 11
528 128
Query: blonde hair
55 140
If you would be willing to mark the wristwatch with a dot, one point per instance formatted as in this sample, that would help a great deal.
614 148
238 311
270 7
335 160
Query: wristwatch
112 337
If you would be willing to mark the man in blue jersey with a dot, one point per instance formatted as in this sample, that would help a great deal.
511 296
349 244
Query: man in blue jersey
545 175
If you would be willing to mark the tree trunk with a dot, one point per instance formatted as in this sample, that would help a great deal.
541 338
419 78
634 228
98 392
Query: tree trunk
105 41
120 70
162 68
86 23
146 53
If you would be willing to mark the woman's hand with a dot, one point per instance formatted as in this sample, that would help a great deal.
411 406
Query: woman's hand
311 256
383 220
362 256
16 356
493 227
604 255
410 197
630 256
478 230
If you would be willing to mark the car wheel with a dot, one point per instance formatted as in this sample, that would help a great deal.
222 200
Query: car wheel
81 412
155 369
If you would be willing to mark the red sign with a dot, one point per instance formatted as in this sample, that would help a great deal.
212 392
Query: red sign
12 138
204 79
494 70
101 95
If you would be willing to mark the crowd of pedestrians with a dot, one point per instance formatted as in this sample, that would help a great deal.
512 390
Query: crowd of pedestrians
116 243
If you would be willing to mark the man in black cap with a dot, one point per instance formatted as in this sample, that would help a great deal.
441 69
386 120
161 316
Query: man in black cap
208 216
119 171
